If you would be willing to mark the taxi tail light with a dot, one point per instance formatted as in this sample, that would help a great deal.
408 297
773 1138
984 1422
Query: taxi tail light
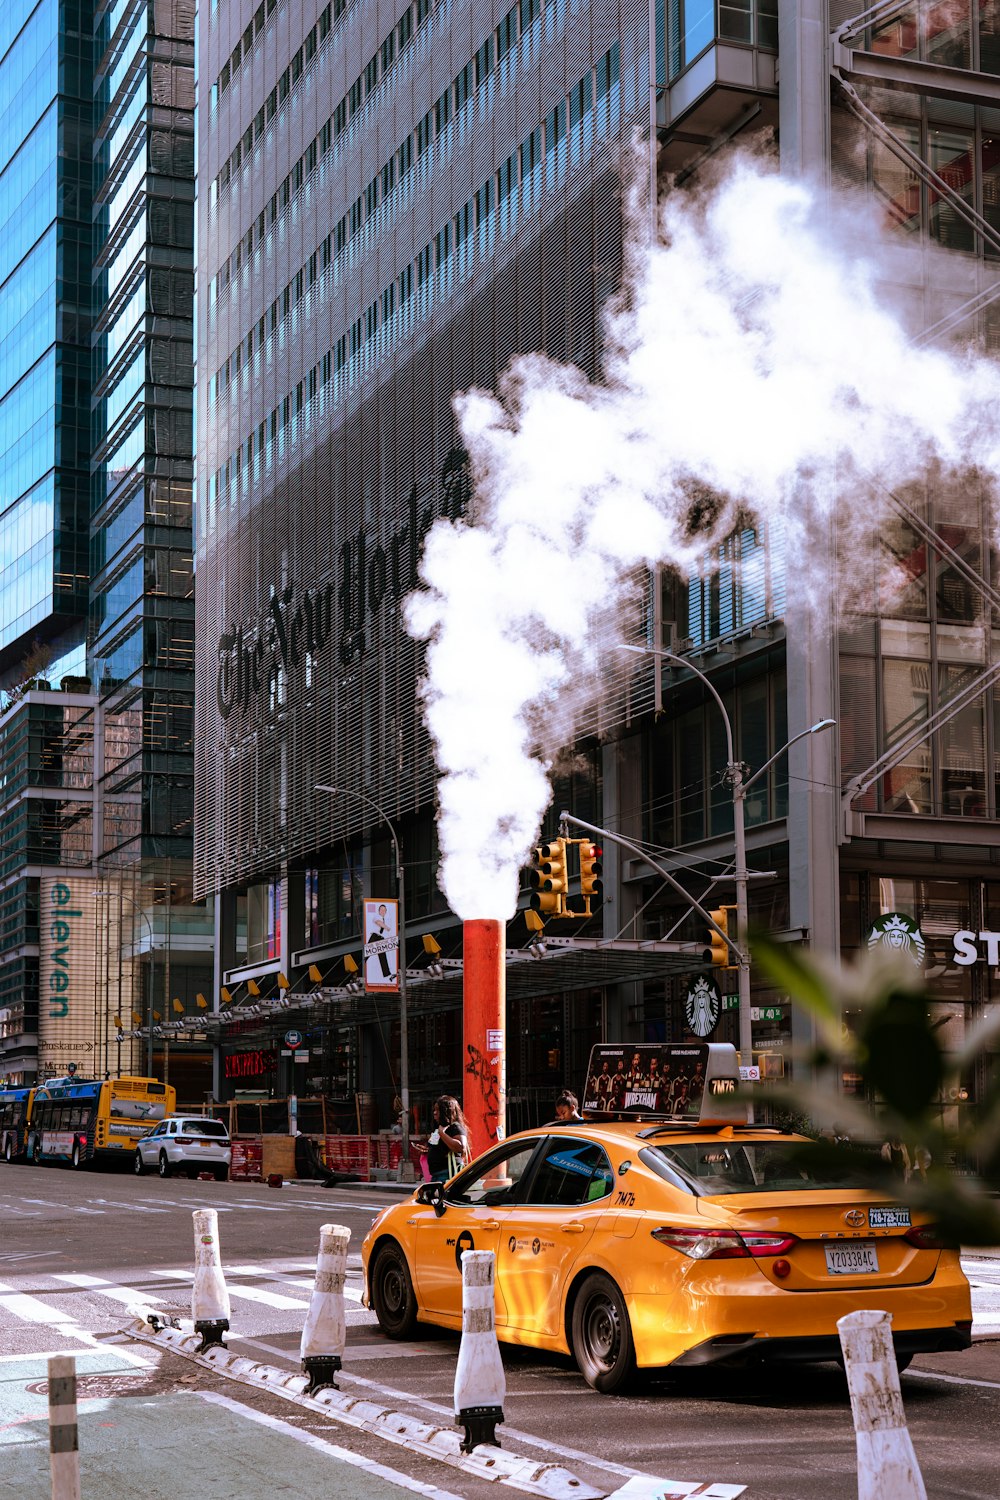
723 1244
925 1237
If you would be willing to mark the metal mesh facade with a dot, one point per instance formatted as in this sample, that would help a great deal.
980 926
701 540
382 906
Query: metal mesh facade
328 358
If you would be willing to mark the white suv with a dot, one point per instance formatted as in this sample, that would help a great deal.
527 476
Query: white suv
191 1142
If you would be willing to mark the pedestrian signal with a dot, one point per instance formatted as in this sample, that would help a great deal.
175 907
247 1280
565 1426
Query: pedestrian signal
720 953
549 882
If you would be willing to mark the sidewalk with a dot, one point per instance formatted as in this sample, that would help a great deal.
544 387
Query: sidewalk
143 1439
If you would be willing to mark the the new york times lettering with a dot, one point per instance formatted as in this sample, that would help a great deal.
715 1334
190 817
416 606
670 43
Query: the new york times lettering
301 621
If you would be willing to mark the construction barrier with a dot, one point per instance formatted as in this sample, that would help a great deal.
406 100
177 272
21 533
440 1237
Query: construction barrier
357 1154
247 1163
348 1153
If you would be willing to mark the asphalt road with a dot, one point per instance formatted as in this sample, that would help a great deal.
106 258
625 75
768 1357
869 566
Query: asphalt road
78 1249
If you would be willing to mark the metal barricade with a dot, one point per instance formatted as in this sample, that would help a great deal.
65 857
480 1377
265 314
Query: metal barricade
247 1164
348 1153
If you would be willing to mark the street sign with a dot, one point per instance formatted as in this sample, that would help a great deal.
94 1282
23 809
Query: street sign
730 1002
293 1039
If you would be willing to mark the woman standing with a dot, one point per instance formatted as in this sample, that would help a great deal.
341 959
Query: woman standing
448 1142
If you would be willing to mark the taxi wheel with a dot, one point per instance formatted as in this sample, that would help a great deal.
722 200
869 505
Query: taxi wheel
393 1299
602 1335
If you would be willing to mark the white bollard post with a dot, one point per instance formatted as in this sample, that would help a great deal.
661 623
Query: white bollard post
209 1296
64 1443
325 1332
480 1383
887 1464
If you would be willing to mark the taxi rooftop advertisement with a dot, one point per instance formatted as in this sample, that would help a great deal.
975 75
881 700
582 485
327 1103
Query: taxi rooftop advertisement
690 1084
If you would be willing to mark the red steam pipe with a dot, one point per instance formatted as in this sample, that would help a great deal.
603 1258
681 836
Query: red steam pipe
484 1051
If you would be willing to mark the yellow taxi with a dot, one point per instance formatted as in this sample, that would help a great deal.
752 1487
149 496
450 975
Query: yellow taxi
664 1230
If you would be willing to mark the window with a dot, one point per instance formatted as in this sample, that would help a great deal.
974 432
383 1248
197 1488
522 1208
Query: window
442 112
506 34
573 1172
464 85
404 158
423 133
404 30
579 100
387 52
371 76
484 61
496 1178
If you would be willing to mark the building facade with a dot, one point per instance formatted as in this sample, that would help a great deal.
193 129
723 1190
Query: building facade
394 201
96 606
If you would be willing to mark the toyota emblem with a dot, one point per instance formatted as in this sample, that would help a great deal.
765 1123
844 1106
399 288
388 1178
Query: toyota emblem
855 1217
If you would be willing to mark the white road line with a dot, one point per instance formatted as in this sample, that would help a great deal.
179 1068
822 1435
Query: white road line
993 1385
32 1309
137 1207
331 1450
130 1296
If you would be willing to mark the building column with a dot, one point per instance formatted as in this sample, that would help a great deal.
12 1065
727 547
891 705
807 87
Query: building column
804 88
622 813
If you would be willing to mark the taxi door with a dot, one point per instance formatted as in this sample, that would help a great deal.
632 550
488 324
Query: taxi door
547 1233
477 1208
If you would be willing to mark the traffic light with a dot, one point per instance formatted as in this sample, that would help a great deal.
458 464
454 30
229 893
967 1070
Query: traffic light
720 953
549 881
590 873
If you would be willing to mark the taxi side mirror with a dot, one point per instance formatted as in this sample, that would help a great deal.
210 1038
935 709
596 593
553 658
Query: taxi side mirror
432 1193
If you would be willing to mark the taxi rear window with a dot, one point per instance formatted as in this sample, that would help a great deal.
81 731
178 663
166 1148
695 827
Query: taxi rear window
715 1168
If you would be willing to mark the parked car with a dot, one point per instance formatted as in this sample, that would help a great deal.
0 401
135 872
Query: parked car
191 1143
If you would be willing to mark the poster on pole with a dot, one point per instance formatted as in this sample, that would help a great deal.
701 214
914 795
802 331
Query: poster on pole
381 955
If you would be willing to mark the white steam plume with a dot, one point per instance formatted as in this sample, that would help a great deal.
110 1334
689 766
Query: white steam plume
754 356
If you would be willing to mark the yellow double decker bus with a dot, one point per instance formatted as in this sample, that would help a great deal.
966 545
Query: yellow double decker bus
75 1121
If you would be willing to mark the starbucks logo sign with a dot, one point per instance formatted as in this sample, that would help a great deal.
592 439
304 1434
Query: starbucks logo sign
702 1007
900 934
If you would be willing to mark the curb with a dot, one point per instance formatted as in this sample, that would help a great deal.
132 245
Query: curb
441 1443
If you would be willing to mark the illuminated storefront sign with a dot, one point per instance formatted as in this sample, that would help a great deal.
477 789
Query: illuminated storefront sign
251 1064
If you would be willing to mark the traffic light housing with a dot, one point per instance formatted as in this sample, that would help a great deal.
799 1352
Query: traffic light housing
590 873
549 879
720 953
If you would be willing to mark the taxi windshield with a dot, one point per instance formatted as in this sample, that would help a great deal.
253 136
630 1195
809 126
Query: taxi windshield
714 1168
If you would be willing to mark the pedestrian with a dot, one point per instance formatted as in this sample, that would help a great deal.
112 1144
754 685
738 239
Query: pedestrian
448 1143
921 1162
896 1157
568 1109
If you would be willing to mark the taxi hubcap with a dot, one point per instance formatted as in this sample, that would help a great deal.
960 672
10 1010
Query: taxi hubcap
392 1289
602 1330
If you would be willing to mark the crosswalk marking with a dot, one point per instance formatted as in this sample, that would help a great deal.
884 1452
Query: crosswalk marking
31 1309
130 1296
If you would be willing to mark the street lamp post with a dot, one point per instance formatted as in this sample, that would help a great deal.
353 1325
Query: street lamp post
404 1041
739 783
103 891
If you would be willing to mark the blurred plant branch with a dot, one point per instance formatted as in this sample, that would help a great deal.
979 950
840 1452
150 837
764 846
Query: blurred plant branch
909 1088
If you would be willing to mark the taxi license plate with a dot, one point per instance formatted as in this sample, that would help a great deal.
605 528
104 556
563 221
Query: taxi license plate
857 1258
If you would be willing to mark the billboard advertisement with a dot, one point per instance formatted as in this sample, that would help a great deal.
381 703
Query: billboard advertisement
381 945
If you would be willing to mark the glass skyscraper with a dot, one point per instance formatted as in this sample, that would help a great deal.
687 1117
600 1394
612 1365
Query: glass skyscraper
96 592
